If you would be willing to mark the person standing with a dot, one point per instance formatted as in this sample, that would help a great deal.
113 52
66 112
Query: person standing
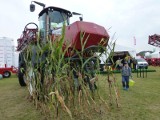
118 64
134 63
126 73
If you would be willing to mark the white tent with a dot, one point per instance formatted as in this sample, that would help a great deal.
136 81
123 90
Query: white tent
156 54
120 49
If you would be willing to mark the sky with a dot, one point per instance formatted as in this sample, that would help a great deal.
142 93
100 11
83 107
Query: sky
123 19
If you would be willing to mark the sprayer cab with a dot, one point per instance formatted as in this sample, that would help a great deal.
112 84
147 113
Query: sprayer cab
52 19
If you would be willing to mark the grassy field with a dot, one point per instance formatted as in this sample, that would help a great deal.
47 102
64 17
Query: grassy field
14 104
141 102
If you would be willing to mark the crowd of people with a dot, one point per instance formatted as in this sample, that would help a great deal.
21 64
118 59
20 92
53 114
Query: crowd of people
126 59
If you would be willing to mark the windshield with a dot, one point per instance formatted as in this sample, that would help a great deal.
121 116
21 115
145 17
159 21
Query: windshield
141 60
57 19
42 25
52 20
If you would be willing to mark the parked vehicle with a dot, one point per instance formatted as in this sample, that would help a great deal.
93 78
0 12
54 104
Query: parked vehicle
6 71
142 63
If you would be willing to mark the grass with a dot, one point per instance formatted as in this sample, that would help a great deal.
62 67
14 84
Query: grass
14 104
141 102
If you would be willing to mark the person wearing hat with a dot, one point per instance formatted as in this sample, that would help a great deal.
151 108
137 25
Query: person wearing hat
126 73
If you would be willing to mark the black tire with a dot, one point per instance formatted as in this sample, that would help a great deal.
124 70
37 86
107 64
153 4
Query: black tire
21 78
6 74
21 70
146 67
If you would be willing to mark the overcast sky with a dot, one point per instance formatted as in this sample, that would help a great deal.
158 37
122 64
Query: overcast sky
125 18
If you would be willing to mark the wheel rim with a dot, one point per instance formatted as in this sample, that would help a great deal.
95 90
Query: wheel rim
24 78
6 74
31 84
31 87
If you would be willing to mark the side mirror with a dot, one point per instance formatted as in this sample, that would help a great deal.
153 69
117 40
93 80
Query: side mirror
32 7
81 18
75 13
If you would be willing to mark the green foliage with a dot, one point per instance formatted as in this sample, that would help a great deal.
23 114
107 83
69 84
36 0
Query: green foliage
58 84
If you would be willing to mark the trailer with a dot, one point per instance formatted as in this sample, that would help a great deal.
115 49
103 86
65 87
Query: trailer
7 57
6 72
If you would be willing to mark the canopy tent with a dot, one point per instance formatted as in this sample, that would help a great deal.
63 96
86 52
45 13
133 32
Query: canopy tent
156 54
123 50
119 52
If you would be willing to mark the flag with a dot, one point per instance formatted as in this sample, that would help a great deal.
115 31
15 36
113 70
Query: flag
134 40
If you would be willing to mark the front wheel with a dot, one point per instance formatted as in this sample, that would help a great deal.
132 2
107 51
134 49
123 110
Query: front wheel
21 70
6 74
21 78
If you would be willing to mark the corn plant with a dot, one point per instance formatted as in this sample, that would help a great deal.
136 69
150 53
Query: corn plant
60 85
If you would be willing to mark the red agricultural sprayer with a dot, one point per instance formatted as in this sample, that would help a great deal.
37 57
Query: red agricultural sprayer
59 60
81 40
155 41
